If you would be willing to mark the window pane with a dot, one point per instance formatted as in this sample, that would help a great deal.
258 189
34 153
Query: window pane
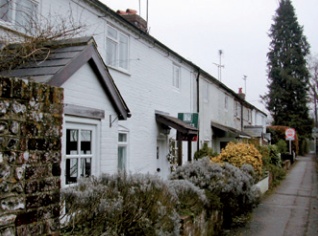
86 142
85 168
26 12
121 158
111 50
123 51
5 10
71 142
122 137
71 170
176 76
112 33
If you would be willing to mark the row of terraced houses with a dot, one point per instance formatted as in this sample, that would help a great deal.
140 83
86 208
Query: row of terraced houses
129 100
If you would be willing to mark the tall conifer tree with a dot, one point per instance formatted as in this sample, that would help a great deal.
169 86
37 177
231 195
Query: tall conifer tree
288 76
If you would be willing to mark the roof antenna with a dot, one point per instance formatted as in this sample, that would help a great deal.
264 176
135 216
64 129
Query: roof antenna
220 66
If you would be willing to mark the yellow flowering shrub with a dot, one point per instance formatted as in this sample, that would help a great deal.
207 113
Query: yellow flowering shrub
239 154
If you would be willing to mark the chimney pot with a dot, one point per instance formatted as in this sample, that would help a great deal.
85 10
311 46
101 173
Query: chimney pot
131 11
120 12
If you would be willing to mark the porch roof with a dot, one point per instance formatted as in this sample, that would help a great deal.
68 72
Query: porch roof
61 60
177 124
238 133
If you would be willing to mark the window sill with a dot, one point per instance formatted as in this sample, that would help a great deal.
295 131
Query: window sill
175 89
12 28
122 71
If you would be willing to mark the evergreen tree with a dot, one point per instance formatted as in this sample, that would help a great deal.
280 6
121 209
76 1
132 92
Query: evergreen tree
288 76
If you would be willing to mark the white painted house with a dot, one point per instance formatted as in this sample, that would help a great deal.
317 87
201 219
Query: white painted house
157 84
91 100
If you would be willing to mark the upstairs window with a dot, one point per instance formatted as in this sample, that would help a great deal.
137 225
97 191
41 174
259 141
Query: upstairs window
226 103
249 115
176 77
237 111
117 49
20 13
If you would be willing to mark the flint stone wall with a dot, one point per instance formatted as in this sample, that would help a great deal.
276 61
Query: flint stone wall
30 154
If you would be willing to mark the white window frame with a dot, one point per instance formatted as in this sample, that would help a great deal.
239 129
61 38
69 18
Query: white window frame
119 58
237 111
15 15
176 76
249 115
81 124
226 103
123 144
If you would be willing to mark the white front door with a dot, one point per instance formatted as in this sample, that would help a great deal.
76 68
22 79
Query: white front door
163 168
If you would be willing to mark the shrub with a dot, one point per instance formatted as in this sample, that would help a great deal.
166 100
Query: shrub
205 151
191 199
272 163
281 146
239 154
227 187
278 133
304 147
121 205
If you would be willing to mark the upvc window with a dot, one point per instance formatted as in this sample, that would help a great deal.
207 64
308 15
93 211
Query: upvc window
249 115
19 13
237 109
176 77
226 103
122 151
80 152
117 48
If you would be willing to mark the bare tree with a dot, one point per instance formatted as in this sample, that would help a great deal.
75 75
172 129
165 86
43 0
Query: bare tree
26 39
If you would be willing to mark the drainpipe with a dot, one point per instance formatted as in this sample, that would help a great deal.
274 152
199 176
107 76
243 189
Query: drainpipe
198 108
242 116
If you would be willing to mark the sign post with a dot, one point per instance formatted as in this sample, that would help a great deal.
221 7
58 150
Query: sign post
290 134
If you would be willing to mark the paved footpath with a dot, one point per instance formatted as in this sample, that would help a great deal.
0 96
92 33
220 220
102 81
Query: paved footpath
292 209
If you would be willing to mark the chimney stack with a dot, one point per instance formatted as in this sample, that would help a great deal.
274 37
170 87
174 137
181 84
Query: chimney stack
132 16
241 94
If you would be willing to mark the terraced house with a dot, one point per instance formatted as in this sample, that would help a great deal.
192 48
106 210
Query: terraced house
137 105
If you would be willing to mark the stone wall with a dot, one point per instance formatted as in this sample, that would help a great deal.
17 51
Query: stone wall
30 154
202 225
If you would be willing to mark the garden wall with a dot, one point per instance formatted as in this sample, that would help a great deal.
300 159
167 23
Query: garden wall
30 155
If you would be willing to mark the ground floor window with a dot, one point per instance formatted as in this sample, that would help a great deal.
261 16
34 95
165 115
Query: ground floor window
80 151
122 150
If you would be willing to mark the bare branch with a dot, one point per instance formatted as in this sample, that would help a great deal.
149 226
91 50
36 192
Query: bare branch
37 33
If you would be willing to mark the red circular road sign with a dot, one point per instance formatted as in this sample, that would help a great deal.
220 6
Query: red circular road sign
290 134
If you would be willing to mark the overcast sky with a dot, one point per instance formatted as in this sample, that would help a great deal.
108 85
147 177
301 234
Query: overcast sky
198 29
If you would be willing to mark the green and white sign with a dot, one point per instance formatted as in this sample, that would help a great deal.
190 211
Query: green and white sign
189 118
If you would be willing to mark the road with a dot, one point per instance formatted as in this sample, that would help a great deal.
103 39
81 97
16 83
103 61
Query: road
292 209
